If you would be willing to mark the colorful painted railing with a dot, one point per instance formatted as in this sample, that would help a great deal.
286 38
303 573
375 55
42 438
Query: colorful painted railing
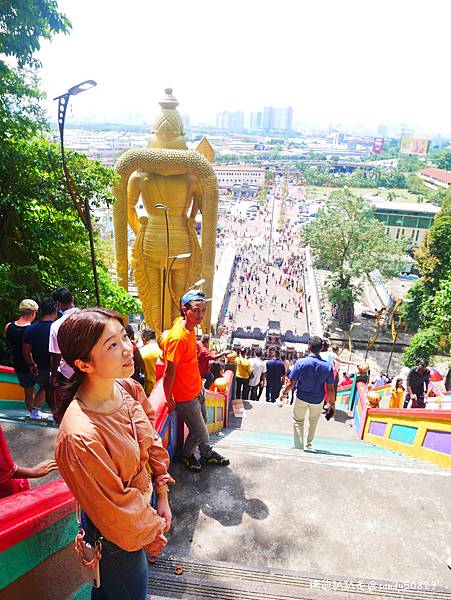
423 434
360 402
344 397
37 527
10 391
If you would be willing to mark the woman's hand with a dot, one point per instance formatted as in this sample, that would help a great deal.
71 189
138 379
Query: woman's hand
164 510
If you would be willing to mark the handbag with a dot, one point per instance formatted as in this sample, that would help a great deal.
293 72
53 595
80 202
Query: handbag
89 555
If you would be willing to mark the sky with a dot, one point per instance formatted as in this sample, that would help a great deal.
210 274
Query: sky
348 62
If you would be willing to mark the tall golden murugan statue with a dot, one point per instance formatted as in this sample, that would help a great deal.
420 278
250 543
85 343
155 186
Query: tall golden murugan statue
174 184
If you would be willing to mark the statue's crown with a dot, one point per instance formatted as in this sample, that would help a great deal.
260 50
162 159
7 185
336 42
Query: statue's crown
168 128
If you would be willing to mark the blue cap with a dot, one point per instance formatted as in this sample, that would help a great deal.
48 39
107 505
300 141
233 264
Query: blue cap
192 296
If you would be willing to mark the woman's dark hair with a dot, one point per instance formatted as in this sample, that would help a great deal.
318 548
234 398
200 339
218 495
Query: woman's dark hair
215 369
77 336
47 307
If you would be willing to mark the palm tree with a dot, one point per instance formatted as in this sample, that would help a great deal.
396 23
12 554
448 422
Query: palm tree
391 196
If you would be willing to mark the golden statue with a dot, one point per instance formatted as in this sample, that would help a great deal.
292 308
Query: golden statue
174 184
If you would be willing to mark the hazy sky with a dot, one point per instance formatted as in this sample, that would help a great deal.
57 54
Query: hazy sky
334 61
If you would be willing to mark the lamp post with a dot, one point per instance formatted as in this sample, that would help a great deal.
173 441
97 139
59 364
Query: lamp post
82 206
165 209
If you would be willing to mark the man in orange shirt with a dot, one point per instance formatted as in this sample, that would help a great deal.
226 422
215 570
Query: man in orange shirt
182 382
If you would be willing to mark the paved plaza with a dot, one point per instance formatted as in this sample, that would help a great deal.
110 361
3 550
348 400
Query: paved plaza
266 289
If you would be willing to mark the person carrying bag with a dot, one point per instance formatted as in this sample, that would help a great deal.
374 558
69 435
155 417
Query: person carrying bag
107 451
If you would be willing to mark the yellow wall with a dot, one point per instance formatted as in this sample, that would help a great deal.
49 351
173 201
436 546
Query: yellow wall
415 450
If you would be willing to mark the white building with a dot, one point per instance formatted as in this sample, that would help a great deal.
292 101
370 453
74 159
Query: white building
403 219
228 176
436 178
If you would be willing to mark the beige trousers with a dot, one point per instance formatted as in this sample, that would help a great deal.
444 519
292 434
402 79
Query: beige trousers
299 411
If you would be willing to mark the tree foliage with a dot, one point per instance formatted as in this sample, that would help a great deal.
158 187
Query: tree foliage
43 243
442 159
429 311
349 241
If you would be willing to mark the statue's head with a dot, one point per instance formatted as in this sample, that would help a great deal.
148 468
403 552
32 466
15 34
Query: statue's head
168 128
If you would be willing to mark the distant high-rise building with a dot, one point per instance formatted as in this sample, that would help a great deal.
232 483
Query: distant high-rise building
338 138
382 130
256 121
268 118
231 121
185 121
278 119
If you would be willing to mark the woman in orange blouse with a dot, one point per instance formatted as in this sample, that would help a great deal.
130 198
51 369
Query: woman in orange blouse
105 440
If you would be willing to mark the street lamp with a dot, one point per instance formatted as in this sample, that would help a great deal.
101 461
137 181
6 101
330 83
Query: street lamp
165 209
82 206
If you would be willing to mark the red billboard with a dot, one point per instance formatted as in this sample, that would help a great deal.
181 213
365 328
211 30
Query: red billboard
378 145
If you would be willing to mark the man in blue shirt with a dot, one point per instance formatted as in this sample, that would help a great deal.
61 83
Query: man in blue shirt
310 374
275 375
35 349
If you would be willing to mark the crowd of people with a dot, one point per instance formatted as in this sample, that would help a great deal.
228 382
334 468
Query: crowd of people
85 364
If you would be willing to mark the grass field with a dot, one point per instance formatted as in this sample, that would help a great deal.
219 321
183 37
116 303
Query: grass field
402 195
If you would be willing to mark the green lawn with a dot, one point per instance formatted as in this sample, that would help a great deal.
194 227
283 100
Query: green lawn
402 195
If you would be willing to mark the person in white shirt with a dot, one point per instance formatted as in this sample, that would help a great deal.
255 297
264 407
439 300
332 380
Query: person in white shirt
60 372
381 380
258 379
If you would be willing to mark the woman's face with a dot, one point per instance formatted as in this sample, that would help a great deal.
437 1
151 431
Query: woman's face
112 356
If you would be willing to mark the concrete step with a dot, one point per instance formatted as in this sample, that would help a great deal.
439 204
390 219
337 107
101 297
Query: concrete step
375 463
225 581
343 453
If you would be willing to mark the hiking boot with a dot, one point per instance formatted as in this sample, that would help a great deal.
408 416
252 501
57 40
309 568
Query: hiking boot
191 463
213 458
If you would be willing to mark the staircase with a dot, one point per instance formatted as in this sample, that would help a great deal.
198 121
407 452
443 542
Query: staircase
349 520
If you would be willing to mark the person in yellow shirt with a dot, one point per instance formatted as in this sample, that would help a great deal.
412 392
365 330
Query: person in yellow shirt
243 373
397 395
150 353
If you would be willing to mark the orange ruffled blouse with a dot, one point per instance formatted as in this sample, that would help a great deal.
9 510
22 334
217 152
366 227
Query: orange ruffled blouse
105 468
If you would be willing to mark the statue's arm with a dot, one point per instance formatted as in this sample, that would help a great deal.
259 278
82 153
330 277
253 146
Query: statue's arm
209 210
133 193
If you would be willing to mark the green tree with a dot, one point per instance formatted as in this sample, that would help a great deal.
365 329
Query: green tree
391 196
429 312
409 164
349 241
442 159
269 176
43 243
415 185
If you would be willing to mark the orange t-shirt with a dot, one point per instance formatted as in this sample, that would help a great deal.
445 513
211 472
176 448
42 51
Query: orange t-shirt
180 348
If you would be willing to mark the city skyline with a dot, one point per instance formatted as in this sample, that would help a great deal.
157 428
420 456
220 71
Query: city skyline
330 62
